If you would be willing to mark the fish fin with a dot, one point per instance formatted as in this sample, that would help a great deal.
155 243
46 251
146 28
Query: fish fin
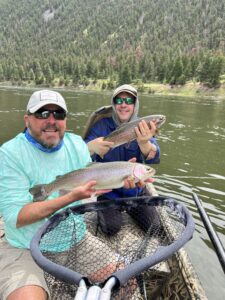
39 193
93 164
59 176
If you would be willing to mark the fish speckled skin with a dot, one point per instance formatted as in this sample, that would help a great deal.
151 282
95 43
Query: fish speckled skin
125 133
109 175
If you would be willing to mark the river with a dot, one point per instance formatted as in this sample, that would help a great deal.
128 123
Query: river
192 143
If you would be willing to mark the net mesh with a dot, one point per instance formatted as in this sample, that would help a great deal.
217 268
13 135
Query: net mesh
83 244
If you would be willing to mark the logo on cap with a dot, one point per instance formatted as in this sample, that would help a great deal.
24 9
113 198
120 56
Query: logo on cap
46 95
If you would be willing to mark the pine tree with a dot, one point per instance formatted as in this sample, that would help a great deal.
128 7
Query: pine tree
31 75
39 76
216 67
177 71
124 75
76 74
204 69
15 72
22 73
48 74
1 73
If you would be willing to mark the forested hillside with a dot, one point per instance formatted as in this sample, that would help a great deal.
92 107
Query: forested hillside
76 41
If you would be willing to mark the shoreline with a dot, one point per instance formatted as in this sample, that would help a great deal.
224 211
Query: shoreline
190 89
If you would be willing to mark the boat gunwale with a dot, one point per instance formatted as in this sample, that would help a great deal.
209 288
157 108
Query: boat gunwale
191 279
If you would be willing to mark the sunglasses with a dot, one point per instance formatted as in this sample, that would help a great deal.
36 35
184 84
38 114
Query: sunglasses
128 101
45 114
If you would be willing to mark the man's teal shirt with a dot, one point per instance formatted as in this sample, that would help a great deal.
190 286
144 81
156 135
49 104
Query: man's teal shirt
22 166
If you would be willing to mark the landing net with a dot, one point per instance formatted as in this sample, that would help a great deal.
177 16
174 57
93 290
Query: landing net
72 246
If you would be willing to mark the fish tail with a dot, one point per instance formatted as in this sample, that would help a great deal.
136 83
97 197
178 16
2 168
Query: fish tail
39 192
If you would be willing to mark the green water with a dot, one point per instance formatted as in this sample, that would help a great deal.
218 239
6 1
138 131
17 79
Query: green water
192 142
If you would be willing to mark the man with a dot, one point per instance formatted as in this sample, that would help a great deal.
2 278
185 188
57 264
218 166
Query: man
125 107
37 156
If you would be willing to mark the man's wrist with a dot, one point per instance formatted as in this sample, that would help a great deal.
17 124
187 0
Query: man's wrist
145 148
90 148
152 152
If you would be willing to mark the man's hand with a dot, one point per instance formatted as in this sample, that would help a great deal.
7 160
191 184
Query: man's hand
87 190
129 182
35 211
144 133
133 160
99 146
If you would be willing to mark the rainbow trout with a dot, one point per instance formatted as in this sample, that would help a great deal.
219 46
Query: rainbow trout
108 175
125 133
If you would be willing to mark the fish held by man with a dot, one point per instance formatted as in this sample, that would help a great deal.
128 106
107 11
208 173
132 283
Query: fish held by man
108 175
126 133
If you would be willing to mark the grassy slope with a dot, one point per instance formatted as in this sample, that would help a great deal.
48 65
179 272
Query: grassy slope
190 89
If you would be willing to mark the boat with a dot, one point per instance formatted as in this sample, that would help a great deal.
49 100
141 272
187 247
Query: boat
175 278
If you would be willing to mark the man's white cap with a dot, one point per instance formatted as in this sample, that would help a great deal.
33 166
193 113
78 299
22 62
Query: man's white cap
125 88
44 97
128 89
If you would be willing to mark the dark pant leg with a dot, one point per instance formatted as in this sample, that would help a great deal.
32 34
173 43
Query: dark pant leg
144 216
109 220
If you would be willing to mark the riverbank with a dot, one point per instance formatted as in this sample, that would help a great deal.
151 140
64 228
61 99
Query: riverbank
190 89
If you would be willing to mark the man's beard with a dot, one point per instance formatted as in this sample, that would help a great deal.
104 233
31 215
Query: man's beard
45 144
49 146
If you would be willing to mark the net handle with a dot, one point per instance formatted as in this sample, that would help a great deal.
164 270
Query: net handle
95 292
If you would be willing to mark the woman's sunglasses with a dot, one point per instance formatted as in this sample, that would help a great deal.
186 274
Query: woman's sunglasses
45 114
128 101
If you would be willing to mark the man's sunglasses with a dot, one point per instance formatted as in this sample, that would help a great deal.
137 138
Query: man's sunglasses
45 114
126 100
